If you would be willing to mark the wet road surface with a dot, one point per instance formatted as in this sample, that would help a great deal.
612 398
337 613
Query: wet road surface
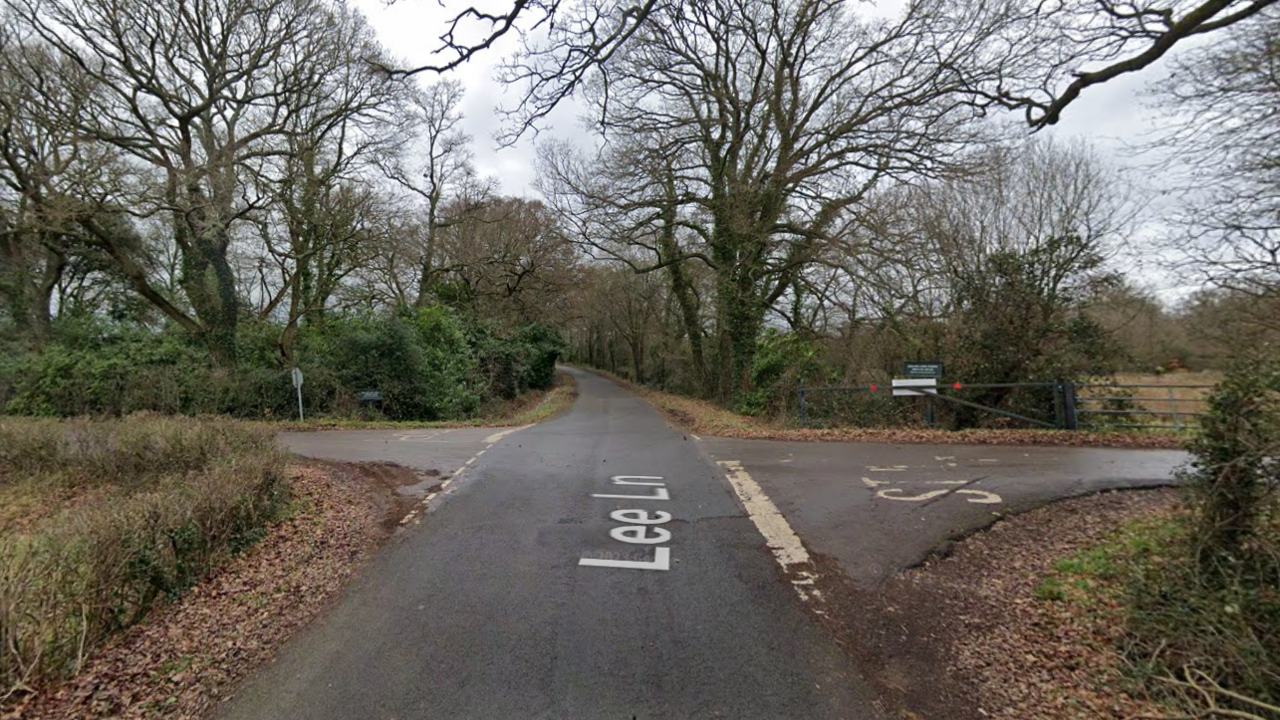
484 610
879 508
600 565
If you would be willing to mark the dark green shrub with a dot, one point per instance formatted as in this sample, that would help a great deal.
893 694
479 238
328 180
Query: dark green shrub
782 361
544 344
514 363
427 363
420 362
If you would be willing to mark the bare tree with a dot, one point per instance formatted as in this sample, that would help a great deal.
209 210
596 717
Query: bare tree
1226 128
200 95
323 198
508 262
436 166
1051 51
52 183
1072 45
763 123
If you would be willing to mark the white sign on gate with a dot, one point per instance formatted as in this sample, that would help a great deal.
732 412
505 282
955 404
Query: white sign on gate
914 387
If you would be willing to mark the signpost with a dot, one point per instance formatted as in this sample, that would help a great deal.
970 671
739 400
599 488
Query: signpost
920 386
297 383
922 370
914 387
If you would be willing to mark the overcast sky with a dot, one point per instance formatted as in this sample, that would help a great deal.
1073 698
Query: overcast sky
1109 116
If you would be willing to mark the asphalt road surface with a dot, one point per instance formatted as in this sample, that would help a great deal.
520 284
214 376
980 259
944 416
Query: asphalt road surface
876 508
601 565
484 610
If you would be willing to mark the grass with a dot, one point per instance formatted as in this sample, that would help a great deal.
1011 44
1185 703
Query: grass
1207 647
532 407
100 520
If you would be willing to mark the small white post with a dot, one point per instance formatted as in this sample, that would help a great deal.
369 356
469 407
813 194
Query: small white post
297 383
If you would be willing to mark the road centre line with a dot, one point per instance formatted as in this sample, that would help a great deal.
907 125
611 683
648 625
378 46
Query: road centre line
426 500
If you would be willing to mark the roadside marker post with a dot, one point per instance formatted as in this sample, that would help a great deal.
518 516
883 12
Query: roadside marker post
297 384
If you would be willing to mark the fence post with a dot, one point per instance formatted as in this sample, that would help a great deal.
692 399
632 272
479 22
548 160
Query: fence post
800 390
1173 408
1069 406
1059 406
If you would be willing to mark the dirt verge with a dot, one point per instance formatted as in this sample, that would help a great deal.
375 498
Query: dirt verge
187 655
965 637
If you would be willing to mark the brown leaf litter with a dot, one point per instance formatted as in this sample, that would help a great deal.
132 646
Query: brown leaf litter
184 658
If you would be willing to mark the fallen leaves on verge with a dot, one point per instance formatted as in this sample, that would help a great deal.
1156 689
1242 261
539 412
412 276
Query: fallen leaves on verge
182 660
1023 656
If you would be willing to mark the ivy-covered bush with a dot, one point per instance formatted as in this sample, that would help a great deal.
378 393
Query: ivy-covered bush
428 364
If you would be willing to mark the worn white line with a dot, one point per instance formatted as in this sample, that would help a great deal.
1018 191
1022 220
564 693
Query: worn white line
499 435
777 532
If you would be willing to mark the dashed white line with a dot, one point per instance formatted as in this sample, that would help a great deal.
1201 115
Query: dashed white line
489 442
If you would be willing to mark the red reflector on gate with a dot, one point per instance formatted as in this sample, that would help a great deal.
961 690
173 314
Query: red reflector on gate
873 388
957 386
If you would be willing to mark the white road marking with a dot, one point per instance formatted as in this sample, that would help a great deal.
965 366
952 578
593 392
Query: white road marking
661 561
777 532
499 435
944 457
637 480
640 534
873 483
895 468
659 493
422 436
980 497
458 473
909 498
984 497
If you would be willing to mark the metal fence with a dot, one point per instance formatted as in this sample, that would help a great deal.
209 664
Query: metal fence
1057 405
1130 406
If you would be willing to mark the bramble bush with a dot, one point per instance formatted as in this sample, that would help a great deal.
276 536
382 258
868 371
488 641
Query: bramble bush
1204 617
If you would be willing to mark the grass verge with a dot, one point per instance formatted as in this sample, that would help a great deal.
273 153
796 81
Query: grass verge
702 417
187 656
1204 644
532 407
100 521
